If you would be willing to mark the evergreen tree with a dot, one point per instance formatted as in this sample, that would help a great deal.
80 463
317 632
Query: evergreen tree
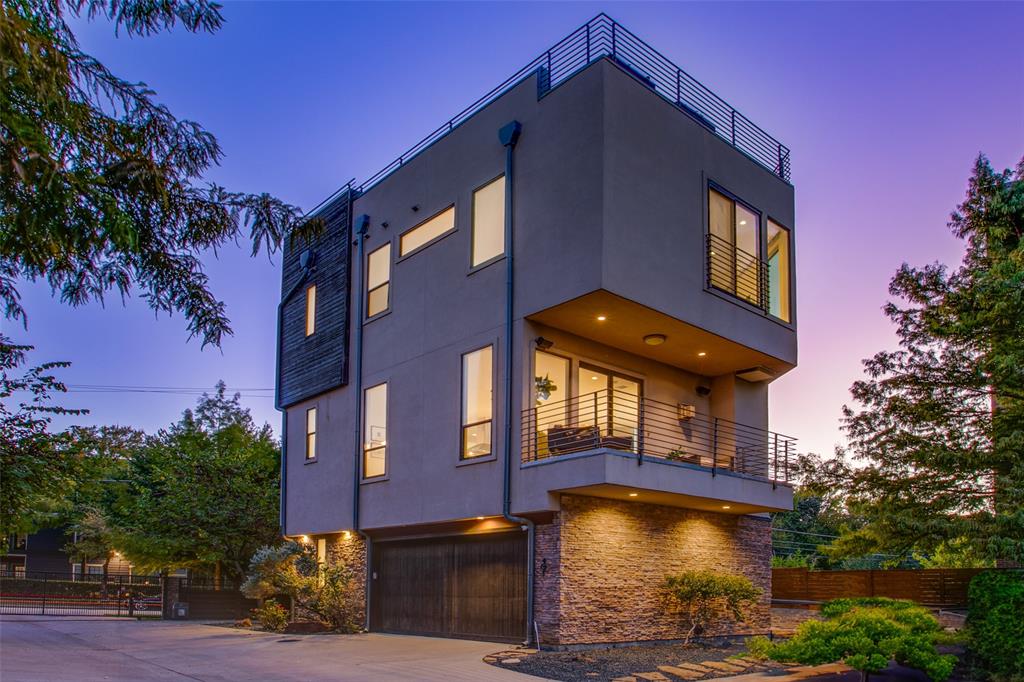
939 426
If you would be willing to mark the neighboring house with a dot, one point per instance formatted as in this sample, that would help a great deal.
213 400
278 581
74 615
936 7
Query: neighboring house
43 552
511 450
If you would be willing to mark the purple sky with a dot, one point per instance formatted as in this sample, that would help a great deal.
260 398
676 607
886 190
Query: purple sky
884 106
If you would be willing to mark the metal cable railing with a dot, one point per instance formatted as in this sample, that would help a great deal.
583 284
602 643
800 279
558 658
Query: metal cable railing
618 420
602 37
734 271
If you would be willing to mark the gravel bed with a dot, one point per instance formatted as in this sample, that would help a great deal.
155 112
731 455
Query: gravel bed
603 665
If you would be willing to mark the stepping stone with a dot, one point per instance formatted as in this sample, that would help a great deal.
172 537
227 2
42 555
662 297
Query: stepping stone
624 679
739 660
724 667
681 672
653 677
511 661
696 667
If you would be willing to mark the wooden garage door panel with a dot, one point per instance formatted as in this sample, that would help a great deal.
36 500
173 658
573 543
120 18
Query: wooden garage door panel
463 586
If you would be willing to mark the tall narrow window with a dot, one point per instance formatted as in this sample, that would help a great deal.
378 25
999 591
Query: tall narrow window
310 310
375 431
734 246
378 280
311 433
427 231
778 271
489 221
477 402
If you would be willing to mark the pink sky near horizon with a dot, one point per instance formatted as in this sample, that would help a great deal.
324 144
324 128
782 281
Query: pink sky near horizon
884 106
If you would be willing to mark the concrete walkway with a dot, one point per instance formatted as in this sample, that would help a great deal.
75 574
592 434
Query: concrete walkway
69 649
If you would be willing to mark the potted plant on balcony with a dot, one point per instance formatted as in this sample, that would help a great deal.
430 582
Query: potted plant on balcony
545 387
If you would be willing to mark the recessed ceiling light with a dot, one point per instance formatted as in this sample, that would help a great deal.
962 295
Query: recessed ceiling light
701 354
655 339
602 318
633 494
593 378
725 506
479 518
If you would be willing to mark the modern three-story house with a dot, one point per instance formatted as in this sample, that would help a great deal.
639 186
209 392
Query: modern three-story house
524 369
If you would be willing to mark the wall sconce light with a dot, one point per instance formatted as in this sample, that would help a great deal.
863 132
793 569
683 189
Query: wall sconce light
543 344
685 411
703 391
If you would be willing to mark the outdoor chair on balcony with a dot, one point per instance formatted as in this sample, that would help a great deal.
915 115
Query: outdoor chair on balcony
566 439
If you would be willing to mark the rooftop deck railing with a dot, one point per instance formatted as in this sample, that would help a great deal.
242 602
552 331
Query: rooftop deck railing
602 37
622 421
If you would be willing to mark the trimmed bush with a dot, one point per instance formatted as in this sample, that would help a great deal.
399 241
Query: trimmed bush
865 634
706 594
996 623
271 615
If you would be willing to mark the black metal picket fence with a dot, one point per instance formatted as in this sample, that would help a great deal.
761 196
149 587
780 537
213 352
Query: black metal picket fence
67 594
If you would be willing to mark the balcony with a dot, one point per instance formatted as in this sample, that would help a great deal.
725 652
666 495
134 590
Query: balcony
736 272
628 424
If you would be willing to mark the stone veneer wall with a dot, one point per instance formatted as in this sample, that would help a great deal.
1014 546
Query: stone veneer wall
349 548
600 565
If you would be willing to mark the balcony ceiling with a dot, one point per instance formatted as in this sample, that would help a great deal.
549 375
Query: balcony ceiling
628 322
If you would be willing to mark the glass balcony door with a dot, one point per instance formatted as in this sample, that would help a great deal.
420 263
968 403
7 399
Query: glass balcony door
611 402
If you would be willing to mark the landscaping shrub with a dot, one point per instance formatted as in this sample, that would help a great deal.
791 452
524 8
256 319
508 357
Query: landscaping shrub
865 634
271 615
705 594
996 623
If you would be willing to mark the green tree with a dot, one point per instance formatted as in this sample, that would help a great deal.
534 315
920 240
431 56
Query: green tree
36 467
939 429
705 595
201 494
101 187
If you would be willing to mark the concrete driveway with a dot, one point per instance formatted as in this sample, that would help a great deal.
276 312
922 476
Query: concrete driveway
86 650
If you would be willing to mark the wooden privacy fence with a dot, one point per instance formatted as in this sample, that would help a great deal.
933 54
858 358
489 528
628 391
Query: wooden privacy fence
928 586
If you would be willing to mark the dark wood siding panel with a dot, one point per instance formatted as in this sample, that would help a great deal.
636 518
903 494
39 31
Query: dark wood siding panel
461 586
310 365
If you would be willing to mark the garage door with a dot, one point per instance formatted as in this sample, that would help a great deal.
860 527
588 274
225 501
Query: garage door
462 586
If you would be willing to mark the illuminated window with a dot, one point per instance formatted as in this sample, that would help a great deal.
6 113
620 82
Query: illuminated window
311 433
489 221
477 402
375 431
378 280
310 310
734 263
778 271
427 231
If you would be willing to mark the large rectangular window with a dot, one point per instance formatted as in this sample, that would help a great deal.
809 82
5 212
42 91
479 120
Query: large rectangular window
311 433
734 240
375 431
427 231
477 402
378 280
310 310
489 221
778 271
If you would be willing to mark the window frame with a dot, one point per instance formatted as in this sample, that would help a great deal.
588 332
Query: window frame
490 456
366 282
792 271
472 226
454 228
311 295
363 478
310 458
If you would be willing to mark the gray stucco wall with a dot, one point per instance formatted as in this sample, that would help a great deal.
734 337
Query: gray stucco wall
589 214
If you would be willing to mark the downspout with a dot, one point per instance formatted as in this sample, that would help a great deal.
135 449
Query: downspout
509 137
360 226
307 261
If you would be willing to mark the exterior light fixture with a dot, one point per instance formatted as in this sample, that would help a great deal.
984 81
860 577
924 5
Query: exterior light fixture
743 222
655 339
543 343
701 354
479 518
346 534
304 539
725 506
633 494
602 318
755 374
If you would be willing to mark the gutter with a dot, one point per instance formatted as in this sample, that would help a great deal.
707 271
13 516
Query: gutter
360 226
509 137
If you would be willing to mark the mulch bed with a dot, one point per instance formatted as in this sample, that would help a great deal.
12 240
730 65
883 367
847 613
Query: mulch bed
607 664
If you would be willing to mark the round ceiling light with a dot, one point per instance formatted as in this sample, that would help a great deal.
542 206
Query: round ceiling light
655 339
